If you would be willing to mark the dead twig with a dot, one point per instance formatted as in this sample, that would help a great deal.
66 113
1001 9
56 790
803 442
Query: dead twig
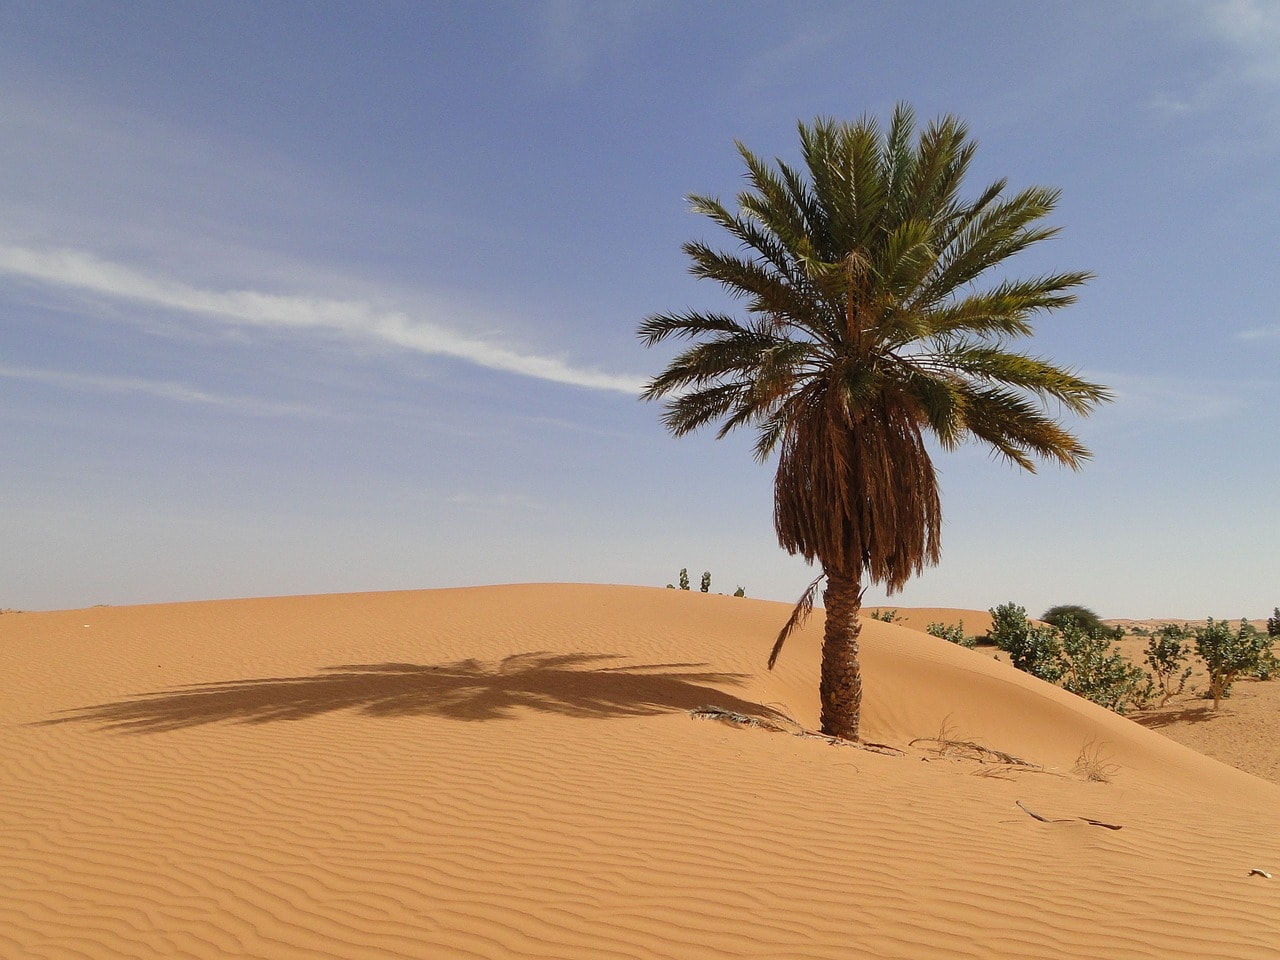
948 745
1097 823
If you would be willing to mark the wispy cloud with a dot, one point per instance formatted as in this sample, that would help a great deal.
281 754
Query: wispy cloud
1177 400
1259 333
572 36
1252 28
162 389
75 270
1247 36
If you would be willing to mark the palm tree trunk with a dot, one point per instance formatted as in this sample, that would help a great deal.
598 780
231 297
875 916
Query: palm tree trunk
841 687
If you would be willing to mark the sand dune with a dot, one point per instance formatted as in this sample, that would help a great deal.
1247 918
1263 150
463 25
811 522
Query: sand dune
513 772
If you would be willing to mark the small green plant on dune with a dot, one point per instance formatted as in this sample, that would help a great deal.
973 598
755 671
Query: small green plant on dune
1091 667
884 616
1008 621
705 586
1033 649
1227 654
953 634
1273 625
1167 652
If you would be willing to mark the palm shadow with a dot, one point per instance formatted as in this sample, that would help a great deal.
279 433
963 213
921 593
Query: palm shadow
568 684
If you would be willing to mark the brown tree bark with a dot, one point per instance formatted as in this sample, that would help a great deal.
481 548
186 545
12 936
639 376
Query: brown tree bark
841 685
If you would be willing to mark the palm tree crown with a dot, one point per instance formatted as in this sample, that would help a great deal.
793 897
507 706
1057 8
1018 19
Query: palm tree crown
865 330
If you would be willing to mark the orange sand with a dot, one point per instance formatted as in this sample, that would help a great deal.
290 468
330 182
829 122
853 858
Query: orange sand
514 772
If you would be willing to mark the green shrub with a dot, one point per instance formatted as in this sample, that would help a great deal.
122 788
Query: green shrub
1092 668
1083 617
1273 625
1227 654
1033 649
740 592
884 616
1008 622
1167 650
953 634
706 581
684 578
1267 666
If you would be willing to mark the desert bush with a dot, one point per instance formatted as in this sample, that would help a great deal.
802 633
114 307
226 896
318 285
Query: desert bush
1091 667
1033 649
1094 763
1227 654
884 616
1008 622
953 634
1168 649
1083 617
684 578
1267 666
706 581
740 592
1273 625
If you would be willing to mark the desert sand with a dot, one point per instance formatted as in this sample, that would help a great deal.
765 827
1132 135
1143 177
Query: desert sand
525 772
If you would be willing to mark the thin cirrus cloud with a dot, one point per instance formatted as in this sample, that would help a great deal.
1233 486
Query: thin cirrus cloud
164 389
83 272
1259 333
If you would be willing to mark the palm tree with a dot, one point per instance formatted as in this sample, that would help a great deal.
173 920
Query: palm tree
865 333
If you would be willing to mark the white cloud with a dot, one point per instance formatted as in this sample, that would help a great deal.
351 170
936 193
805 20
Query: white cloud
164 389
1246 34
82 272
1252 28
1175 400
1259 333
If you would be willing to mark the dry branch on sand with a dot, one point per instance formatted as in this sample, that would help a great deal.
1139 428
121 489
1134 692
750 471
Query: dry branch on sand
949 745
792 727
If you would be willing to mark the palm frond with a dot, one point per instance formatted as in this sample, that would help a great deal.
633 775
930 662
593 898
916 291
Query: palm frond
1014 427
799 614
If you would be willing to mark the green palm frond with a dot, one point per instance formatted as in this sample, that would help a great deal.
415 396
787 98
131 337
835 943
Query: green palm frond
866 329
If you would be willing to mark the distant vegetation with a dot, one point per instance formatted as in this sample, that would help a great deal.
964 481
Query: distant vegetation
953 634
1082 617
1075 650
705 585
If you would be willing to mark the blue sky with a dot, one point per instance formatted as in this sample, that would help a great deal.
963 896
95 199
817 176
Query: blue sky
316 297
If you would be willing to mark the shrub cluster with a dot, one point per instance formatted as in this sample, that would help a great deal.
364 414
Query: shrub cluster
1228 654
954 634
1076 651
705 586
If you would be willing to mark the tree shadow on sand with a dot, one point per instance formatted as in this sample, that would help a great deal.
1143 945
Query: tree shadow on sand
569 684
1167 718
